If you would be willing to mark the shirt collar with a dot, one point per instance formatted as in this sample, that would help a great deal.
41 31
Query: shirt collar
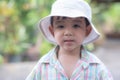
86 57
89 57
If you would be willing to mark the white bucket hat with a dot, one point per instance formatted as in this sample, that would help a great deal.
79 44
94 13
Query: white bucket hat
68 8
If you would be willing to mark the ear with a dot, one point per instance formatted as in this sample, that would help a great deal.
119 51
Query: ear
88 30
51 30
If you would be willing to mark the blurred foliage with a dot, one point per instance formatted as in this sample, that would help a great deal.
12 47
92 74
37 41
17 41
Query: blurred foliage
18 21
113 14
45 47
1 59
106 13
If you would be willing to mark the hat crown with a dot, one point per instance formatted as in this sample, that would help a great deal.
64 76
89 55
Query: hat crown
74 7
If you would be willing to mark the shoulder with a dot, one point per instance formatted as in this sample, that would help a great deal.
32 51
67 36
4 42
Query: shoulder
93 60
46 58
90 57
37 70
102 71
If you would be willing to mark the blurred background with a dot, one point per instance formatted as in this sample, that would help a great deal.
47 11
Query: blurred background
22 45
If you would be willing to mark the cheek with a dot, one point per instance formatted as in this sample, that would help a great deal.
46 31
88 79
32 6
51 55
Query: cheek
57 36
80 36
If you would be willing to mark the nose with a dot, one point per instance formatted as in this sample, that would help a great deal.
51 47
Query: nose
68 32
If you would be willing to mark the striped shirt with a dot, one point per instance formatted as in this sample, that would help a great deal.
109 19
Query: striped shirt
89 67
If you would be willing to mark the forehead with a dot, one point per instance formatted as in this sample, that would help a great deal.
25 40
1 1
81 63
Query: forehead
59 18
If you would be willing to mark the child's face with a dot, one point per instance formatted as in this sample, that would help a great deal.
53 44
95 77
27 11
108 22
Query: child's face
69 33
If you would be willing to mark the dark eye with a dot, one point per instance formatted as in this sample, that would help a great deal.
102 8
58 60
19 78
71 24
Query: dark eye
76 26
60 26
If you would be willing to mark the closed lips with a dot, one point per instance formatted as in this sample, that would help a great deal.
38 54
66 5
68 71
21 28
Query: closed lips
68 40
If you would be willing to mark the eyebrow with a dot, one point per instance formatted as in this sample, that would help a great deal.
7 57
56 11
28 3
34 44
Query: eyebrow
60 18
77 20
59 21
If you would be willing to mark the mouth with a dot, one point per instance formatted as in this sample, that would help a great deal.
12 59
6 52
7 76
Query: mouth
68 41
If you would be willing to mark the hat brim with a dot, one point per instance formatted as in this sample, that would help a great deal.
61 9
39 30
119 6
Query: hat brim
44 24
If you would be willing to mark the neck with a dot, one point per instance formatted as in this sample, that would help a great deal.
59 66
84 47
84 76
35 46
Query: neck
74 54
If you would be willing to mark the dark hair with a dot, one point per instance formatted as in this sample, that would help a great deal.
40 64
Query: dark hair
86 21
51 20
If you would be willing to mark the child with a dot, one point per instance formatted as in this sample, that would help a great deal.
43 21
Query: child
69 27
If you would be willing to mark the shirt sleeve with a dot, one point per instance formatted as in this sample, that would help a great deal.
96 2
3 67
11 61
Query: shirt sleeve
104 74
35 74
